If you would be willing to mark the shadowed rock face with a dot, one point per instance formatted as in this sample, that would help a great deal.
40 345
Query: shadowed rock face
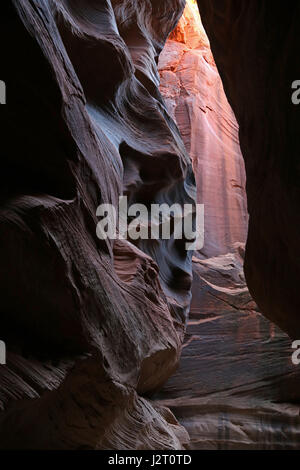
90 325
255 46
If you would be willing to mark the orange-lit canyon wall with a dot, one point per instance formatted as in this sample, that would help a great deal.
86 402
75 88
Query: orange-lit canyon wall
193 91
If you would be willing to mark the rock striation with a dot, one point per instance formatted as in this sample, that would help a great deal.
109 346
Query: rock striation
91 326
236 386
193 91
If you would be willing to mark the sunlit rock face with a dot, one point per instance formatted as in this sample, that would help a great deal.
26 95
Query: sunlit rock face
256 45
91 326
236 386
193 91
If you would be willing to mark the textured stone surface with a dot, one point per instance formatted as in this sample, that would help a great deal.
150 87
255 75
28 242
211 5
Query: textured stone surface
236 387
255 46
84 124
193 91
94 327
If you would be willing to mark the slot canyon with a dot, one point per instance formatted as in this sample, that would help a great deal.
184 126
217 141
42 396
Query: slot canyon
115 344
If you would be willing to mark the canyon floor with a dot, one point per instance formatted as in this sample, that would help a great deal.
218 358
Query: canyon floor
236 386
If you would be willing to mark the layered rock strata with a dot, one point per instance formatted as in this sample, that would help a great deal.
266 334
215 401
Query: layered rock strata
91 326
193 91
236 386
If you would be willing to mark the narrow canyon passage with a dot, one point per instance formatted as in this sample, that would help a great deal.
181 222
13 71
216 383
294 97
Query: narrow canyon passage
111 98
236 384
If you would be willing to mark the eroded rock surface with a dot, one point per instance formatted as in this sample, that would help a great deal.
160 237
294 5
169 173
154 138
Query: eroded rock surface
93 327
236 386
90 325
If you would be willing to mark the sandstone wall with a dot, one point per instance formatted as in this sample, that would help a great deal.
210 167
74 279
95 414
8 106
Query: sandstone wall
193 91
